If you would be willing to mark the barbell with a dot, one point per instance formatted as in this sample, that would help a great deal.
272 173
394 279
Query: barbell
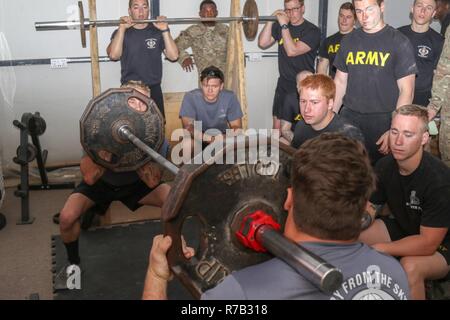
223 197
250 19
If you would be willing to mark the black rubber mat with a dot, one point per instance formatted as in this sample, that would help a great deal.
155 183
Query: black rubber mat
114 262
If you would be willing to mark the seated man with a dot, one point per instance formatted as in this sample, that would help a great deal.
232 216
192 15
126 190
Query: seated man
331 183
317 94
290 114
217 109
101 186
416 187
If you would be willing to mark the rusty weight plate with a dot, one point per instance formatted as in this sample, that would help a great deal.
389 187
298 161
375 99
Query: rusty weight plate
250 26
108 112
219 196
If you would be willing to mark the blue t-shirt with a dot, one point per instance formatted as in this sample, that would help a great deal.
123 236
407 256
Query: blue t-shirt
215 115
368 275
141 55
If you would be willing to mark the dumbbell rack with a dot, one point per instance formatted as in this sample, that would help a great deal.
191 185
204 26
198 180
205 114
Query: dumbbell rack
32 125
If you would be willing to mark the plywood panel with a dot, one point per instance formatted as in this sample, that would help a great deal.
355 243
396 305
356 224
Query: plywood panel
172 104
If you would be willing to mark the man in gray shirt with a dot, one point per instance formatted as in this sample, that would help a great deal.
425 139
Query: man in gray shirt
217 109
332 180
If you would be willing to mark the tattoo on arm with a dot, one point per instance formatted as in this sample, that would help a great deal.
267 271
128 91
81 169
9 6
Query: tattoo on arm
369 215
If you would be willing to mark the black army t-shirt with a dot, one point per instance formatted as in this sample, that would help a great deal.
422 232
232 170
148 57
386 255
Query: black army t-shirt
290 66
374 63
422 198
330 48
291 110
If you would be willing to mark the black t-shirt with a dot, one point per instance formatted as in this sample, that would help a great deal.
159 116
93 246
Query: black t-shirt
330 48
338 124
428 48
445 24
291 110
420 199
141 56
289 67
374 63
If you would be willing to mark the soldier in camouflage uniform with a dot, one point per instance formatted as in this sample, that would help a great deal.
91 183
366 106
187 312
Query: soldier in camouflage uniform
440 100
208 41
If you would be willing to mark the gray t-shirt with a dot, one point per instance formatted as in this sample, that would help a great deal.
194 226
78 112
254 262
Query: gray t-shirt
368 275
215 115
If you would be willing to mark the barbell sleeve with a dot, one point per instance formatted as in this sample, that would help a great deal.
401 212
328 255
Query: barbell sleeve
126 133
324 275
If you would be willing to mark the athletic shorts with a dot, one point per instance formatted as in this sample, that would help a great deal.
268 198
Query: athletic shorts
104 193
397 233
283 89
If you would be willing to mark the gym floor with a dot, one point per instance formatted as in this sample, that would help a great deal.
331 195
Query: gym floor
25 250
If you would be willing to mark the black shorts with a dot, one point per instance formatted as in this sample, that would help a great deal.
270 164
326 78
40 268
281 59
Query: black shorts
396 233
283 89
372 126
157 96
104 193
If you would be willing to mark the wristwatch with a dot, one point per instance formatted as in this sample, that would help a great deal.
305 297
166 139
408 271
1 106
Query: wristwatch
284 26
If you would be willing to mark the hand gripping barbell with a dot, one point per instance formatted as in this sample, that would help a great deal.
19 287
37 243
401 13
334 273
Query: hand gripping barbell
250 19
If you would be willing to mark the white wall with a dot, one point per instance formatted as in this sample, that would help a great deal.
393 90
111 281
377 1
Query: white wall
62 94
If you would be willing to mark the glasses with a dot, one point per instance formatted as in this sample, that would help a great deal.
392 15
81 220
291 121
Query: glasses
292 10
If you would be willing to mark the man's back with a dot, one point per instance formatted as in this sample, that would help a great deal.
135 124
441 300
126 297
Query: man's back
368 275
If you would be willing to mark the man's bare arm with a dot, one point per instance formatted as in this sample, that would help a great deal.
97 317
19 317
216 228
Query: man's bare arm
286 131
340 79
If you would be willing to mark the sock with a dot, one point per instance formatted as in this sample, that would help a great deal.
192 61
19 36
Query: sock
72 252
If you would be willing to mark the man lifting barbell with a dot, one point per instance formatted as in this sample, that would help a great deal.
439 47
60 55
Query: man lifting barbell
331 182
101 186
138 46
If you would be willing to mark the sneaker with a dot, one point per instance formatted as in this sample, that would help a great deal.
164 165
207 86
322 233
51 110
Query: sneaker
66 278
